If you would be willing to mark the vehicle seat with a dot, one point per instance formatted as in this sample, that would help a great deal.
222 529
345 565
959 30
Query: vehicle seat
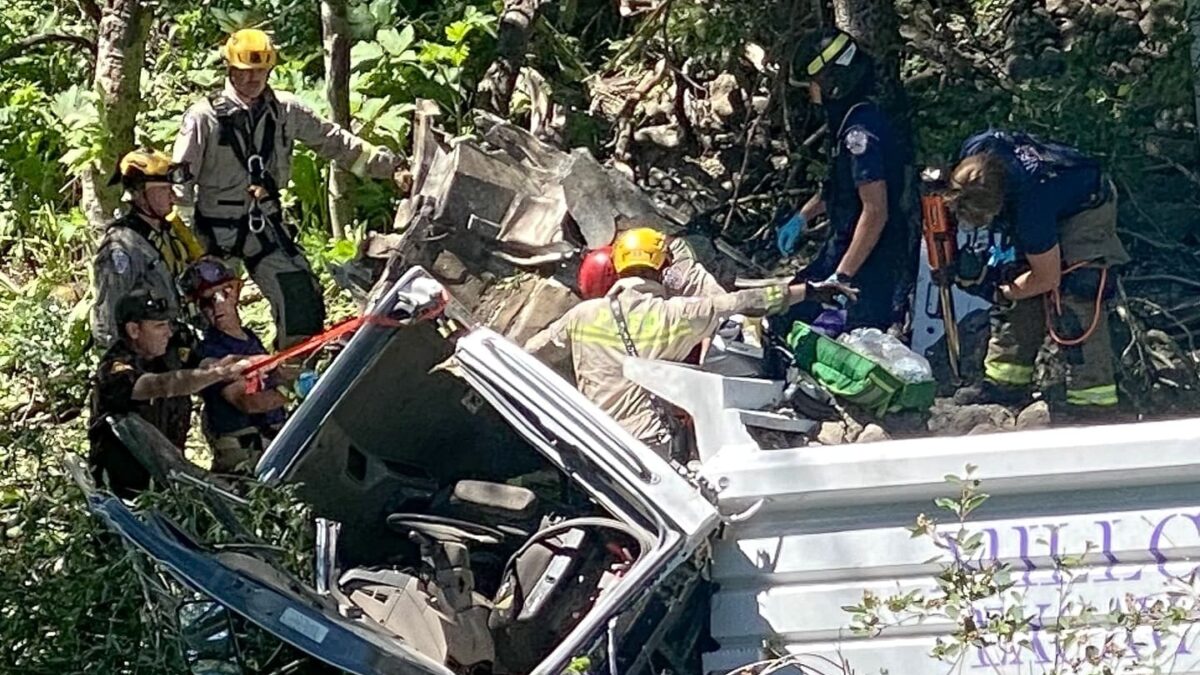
421 615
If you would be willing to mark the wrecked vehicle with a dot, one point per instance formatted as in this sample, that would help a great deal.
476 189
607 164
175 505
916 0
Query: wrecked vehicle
478 515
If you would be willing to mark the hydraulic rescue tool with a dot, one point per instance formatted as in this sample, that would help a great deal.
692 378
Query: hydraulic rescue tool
941 242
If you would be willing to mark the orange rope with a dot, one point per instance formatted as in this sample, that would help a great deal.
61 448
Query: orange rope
1056 298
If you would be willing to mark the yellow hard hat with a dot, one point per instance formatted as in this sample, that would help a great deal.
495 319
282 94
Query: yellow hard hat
146 165
640 247
249 49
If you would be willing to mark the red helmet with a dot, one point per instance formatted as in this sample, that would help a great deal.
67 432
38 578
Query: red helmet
596 273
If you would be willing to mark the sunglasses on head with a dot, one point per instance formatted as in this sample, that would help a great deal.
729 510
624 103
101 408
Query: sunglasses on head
212 272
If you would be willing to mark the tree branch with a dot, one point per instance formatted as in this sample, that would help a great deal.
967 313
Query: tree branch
19 47
90 9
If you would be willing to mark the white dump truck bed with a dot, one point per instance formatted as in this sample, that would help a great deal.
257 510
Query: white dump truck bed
832 522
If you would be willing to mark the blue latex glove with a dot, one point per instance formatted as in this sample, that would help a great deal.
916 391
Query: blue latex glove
305 383
1002 256
787 238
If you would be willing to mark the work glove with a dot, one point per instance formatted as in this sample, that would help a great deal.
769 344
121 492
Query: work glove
835 290
1000 301
830 323
305 383
787 238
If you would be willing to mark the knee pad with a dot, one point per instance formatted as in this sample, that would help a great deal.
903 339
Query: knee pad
303 307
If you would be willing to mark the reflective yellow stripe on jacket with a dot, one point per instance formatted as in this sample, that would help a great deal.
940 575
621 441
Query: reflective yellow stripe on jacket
648 330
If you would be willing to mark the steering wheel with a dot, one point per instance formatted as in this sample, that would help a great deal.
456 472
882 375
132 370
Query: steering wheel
440 528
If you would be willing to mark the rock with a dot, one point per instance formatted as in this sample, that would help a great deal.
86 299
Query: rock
1053 62
984 428
724 96
663 135
832 433
1034 416
873 433
547 301
1057 7
948 419
1104 17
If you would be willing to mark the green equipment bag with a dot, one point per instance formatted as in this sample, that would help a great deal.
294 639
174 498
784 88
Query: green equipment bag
854 377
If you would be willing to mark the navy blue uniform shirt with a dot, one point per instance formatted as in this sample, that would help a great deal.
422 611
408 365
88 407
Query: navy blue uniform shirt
864 150
1045 183
220 416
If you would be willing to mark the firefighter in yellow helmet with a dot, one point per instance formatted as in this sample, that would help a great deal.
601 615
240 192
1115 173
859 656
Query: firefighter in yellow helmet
148 247
638 317
239 143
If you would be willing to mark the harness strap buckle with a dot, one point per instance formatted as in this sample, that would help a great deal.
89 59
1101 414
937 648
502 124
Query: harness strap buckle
256 221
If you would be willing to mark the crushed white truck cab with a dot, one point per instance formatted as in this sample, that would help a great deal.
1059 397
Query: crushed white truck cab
479 515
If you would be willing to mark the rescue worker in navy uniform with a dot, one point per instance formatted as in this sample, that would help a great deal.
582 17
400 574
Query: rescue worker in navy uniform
238 143
142 374
143 248
238 424
1056 216
863 193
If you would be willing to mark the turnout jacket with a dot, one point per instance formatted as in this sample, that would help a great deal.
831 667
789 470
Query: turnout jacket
661 327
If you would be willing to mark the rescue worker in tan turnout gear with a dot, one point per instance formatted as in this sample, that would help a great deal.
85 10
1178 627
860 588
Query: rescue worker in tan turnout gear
145 248
238 143
638 317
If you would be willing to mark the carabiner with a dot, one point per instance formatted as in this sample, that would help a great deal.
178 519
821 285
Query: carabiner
256 221
255 166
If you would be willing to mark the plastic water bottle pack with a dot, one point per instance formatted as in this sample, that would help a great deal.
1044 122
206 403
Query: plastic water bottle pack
889 352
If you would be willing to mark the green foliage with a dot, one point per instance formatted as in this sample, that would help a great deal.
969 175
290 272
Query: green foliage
74 598
976 594
436 56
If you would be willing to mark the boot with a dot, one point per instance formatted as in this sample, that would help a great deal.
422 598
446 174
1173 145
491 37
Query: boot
988 391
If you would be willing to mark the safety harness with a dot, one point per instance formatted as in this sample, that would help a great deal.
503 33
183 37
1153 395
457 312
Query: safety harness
669 422
235 126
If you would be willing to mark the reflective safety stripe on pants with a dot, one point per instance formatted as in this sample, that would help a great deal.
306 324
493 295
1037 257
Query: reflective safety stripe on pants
1019 331
1103 395
1012 374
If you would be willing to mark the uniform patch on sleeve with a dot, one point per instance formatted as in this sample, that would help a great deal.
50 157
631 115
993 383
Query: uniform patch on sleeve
120 261
119 367
1029 157
857 140
673 279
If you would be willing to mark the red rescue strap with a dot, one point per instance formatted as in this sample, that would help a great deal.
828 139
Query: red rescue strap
309 345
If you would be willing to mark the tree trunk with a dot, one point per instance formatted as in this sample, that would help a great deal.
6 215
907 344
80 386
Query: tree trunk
1193 16
516 27
336 31
120 53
